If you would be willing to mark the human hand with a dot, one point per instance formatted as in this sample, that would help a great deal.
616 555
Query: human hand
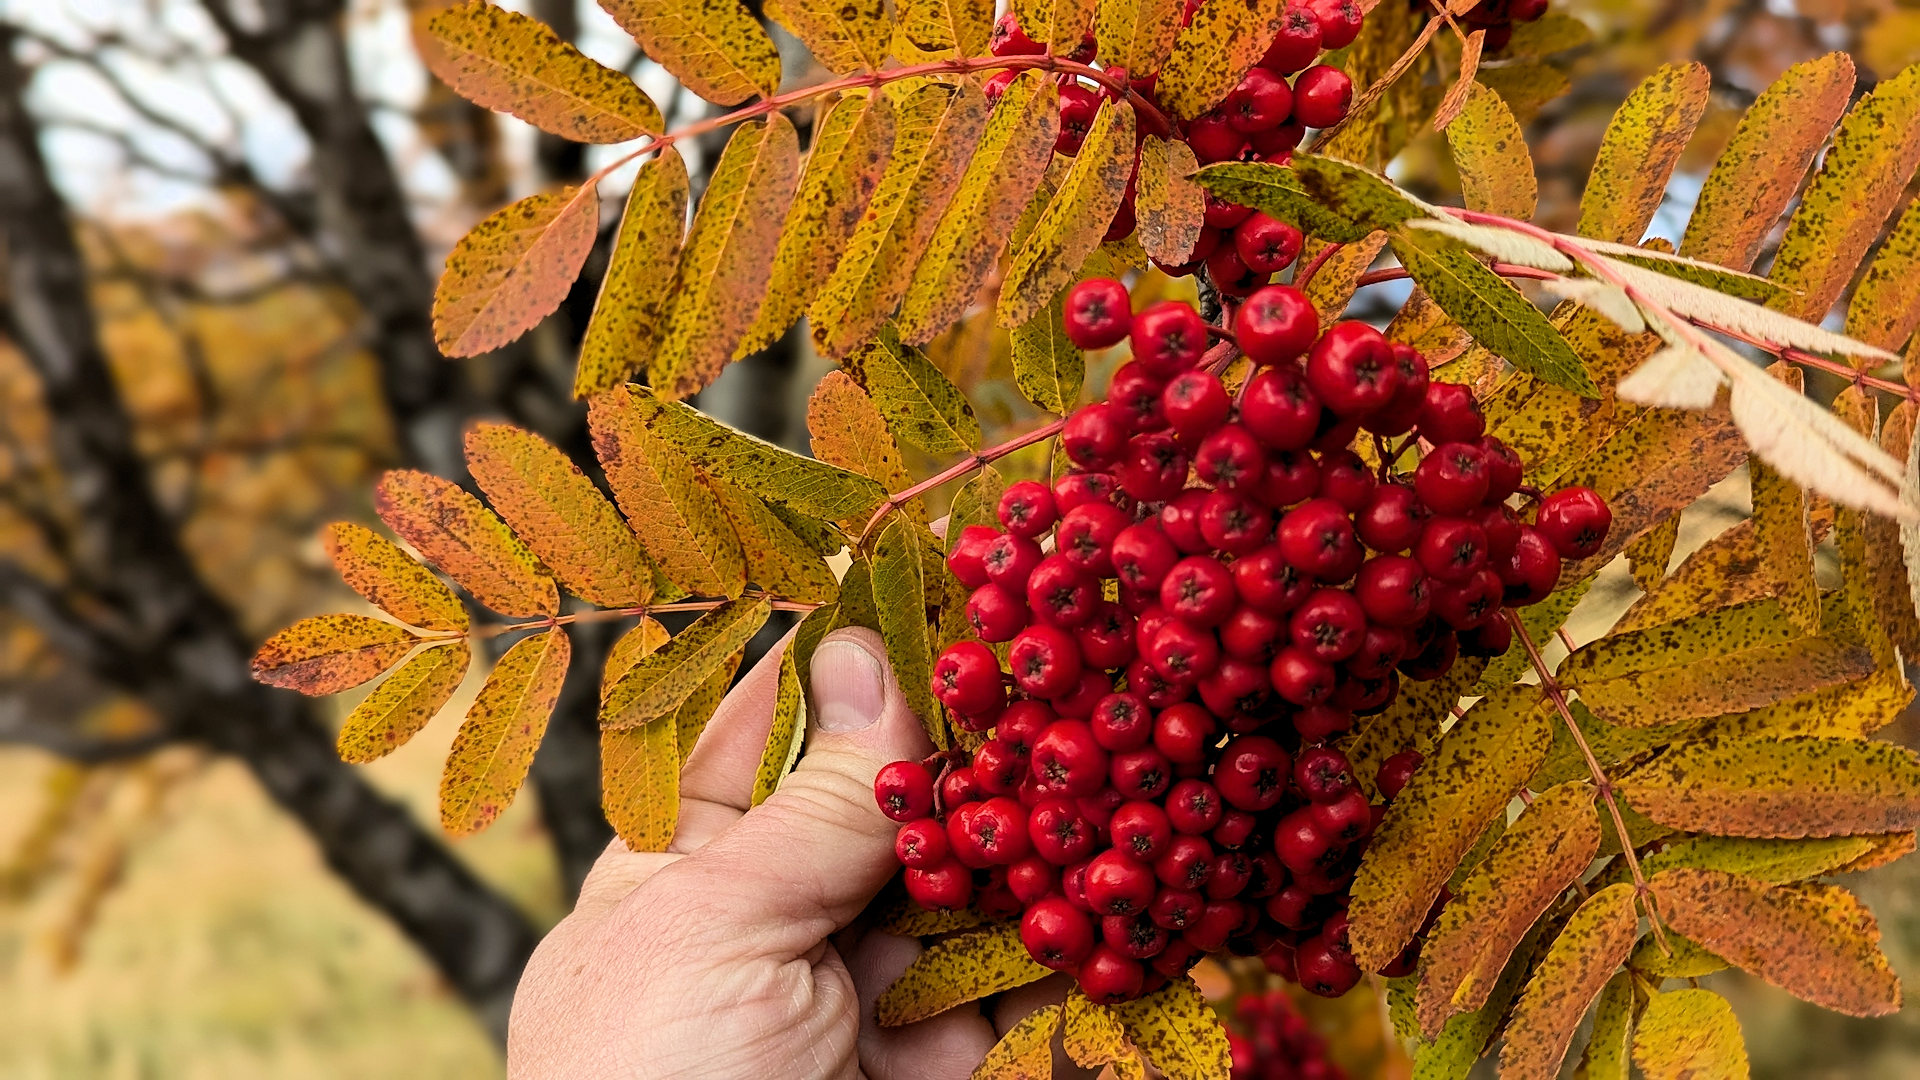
741 951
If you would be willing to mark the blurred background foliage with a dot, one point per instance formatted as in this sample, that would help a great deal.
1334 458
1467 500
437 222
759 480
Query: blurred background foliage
260 193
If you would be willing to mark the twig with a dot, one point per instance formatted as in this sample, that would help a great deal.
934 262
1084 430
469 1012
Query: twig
970 463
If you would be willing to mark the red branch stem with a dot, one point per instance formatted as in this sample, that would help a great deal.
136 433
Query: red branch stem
972 462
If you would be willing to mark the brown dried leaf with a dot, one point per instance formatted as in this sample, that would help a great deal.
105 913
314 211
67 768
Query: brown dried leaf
330 653
390 579
458 534
1795 786
1577 966
403 703
1456 96
511 270
495 746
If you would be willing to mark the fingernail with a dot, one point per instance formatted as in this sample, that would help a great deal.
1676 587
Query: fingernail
847 692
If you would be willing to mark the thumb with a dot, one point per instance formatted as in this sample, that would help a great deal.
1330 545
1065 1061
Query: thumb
805 862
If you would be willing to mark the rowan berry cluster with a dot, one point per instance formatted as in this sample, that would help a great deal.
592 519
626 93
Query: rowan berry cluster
1168 637
1263 119
1270 1040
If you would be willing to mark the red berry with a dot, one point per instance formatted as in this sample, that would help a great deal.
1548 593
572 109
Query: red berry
1230 458
1250 633
1393 590
1281 409
1142 555
1395 772
1032 879
1452 479
1381 649
1261 101
1060 833
1317 538
1061 594
1469 603
1214 137
1575 521
1323 970
966 679
1267 581
1221 214
1317 722
1078 106
1086 535
904 790
1300 677
1140 830
1117 885
1095 436
997 830
1009 560
1181 651
1180 521
1532 572
1344 817
1297 43
1345 479
1505 470
959 787
921 844
1198 590
1008 39
1178 908
945 887
1403 412
1184 733
1109 978
1252 773
1235 829
1451 549
1303 847
1136 392
996 614
968 558
1435 660
1107 639
1392 519
1021 723
1352 369
998 767
1057 934
1266 245
996 87
1490 639
1322 773
1230 275
1133 936
1026 509
1045 660
1193 807
1321 96
1276 145
1194 403
1140 774
1067 756
1277 324
1187 860
1451 414
1340 22
1329 625
1079 701
1122 721
1155 468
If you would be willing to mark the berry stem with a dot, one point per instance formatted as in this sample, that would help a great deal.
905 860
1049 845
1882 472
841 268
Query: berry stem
1558 695
875 79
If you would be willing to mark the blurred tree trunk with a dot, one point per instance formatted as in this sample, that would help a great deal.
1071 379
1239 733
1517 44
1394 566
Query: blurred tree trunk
138 615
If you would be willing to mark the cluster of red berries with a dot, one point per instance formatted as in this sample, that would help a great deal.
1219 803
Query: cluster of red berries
1187 617
1270 1040
1263 119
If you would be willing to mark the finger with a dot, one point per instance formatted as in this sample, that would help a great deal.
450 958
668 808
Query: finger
616 873
716 786
943 1047
804 863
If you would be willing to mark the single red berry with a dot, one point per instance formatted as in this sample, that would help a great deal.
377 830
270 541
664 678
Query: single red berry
1322 773
1290 907
1230 458
999 767
1239 692
1505 470
1252 773
1194 403
1532 572
1403 412
1502 527
1136 392
1107 639
1221 214
1281 409
1340 22
1452 479
1108 978
1266 581
1188 859
959 787
1086 535
968 558
1094 436
1351 368
1300 677
1381 650
1277 144
996 87
1174 908
1060 833
1250 633
1302 845
1079 701
1451 414
1321 96
1392 589
1067 756
1232 872
1323 970
1392 519
1329 625
1345 479
1181 651
1140 830
1490 639
1122 721
1345 817
1575 521
1218 920
1057 934
947 886
1021 723
921 844
1009 559
1291 477
1133 936
1262 100
1078 488
996 614
1198 590
966 679
1155 467
1277 324
1184 733
1180 522
1214 138
1061 594
1316 723
1236 829
1230 274
1234 523
1026 508
1469 603
1451 549
1045 660
1142 555
1032 879
1118 885
1317 538
1140 774
1266 245
1078 106
1159 691
1396 771
1008 39
1297 43
1193 807
997 830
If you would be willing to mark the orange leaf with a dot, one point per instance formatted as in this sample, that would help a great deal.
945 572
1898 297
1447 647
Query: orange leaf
1641 147
513 63
716 47
626 315
1817 942
848 431
495 746
458 534
1576 968
1545 850
391 579
403 703
330 653
511 270
1456 96
564 518
640 767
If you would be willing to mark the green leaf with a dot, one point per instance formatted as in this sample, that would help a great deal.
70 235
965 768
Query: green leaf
814 488
921 405
1277 191
1779 862
1606 1056
900 599
1498 315
1070 228
657 684
1356 194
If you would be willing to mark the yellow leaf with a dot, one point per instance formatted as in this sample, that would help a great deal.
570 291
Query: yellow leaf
1761 168
659 682
458 534
848 156
1690 1035
843 36
789 730
1547 849
715 47
1410 722
403 703
693 715
956 970
929 30
1213 52
495 745
1794 786
1055 22
1136 34
1168 205
1071 226
390 579
1093 1036
1860 182
513 63
1884 309
565 520
1490 150
626 315
1025 1052
923 408
640 784
728 257
777 559
1473 773
678 521
1455 98
1777 862
1048 368
1008 165
1177 1032
847 430
900 599
511 270
1606 1056
938 127
782 477
630 648
1575 969
330 653
1641 147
